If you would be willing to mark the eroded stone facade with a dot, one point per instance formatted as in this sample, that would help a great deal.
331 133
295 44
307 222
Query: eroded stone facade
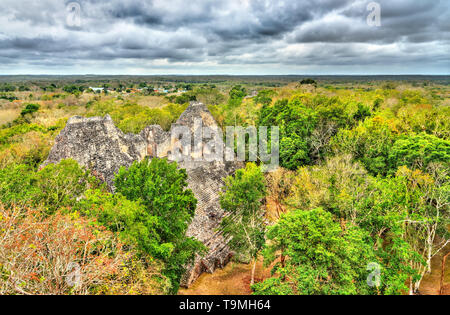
99 145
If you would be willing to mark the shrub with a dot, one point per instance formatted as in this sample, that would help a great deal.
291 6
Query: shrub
62 184
418 152
7 88
31 148
129 219
185 98
59 254
131 117
308 81
73 89
264 97
17 184
7 134
8 96
237 92
362 113
55 186
30 109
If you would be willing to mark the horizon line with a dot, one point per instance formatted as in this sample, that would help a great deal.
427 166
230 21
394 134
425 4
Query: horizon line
229 75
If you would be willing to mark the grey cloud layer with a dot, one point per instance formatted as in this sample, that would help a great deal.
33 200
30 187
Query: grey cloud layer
247 36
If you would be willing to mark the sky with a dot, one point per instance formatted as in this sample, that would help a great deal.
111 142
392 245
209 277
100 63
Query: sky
202 37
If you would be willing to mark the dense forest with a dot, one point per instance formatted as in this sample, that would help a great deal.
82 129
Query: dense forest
359 205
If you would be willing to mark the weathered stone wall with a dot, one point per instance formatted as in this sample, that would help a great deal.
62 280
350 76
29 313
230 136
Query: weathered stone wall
97 144
100 146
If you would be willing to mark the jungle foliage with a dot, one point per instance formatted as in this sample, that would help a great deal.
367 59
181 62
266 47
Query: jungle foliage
364 182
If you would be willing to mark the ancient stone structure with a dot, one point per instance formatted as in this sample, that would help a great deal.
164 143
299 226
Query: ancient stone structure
99 145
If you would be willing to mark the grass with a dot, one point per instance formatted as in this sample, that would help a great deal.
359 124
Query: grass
8 115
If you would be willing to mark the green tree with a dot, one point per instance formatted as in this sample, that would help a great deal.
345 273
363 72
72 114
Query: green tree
379 206
161 188
317 256
245 221
370 143
30 109
53 187
7 88
308 81
62 184
185 98
297 122
237 92
409 213
264 97
419 151
362 113
208 95
135 225
72 89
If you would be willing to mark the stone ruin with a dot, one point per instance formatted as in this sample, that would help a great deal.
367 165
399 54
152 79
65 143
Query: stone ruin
96 143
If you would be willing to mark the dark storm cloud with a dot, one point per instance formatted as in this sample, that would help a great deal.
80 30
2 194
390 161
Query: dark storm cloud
286 36
140 12
39 44
420 21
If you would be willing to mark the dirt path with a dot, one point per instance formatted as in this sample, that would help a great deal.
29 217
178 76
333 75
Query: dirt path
234 279
431 282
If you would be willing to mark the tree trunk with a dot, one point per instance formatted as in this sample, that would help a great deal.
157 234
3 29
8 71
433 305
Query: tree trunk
441 292
429 252
283 262
411 290
252 282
